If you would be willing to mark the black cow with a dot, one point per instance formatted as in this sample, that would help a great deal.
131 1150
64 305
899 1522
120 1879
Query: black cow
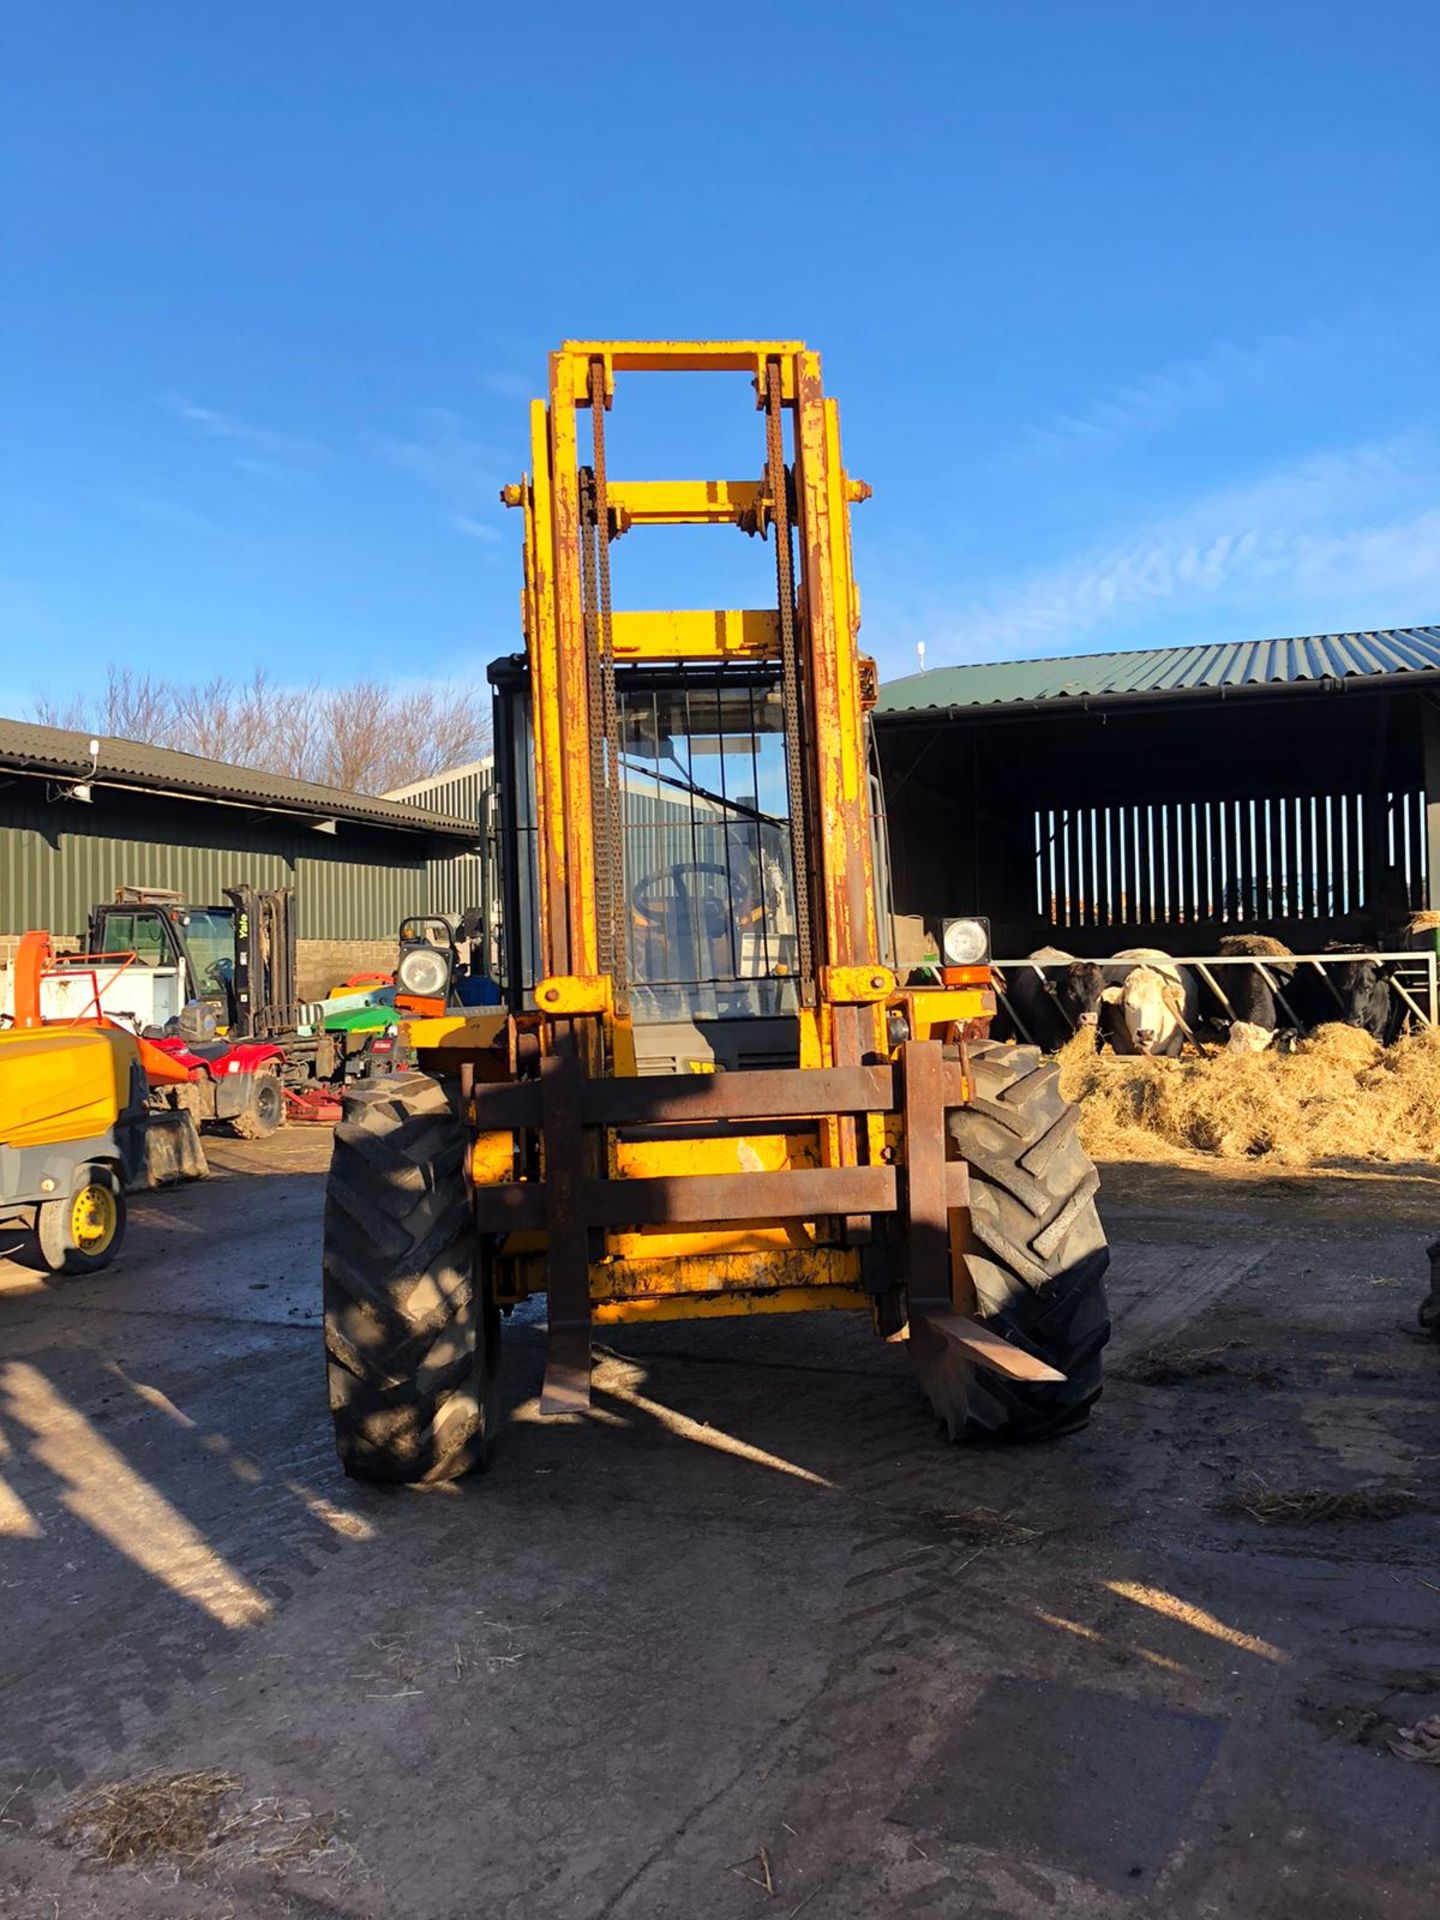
1364 1000
1255 1014
1077 989
1050 1000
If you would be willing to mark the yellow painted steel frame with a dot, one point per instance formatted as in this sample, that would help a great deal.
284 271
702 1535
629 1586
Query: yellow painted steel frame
556 641
740 1267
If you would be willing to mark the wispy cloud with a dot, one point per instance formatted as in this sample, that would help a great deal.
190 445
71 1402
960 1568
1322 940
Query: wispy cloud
477 529
1221 376
266 451
507 386
1348 538
463 474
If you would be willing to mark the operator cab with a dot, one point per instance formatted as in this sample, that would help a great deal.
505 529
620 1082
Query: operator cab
193 946
705 861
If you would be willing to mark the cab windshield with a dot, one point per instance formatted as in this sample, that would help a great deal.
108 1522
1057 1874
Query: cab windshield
210 937
708 888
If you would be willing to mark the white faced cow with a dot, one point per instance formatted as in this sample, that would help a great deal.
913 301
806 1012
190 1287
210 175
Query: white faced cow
1248 1036
1150 1005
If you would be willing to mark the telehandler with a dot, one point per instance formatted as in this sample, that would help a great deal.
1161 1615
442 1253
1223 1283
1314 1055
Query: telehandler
707 1091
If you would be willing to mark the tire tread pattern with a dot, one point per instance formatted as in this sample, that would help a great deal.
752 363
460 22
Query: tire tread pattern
411 1348
1038 1252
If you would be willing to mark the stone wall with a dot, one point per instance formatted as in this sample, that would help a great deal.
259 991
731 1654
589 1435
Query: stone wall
62 943
319 964
322 964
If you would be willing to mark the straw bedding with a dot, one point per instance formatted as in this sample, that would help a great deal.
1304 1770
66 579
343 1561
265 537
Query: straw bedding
1338 1096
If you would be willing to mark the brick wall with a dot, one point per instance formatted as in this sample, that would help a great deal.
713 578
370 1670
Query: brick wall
61 942
322 964
319 964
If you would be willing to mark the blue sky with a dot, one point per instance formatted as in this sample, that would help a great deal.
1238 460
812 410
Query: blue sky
1131 311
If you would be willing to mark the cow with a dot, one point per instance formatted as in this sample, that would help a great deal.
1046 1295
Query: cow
1244 1036
1078 990
1254 1012
1358 994
1051 998
1150 1004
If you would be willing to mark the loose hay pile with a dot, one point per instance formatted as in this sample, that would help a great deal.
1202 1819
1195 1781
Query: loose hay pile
160 1816
1339 1096
1314 1506
177 1820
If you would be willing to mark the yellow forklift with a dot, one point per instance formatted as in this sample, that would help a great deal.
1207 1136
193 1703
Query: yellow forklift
708 1091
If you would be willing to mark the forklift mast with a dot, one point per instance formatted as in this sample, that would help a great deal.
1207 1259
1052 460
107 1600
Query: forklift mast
266 1002
772 699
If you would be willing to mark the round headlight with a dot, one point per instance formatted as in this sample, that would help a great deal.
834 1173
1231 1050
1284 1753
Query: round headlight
966 943
425 972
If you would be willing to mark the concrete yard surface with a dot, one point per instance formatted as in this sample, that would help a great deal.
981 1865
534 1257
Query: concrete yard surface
750 1640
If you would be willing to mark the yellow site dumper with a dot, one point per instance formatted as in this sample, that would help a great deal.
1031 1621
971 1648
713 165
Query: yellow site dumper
73 1123
76 1131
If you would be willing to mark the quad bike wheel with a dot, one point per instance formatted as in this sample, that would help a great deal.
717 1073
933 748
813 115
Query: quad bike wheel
1036 1253
265 1112
82 1231
412 1335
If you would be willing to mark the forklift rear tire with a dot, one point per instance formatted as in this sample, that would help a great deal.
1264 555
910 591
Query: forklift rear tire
1037 1254
82 1232
265 1112
412 1335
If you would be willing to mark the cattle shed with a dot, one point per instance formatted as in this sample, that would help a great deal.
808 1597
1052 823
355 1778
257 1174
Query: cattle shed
76 825
1170 795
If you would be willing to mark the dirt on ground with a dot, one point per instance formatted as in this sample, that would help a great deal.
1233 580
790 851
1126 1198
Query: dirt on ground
750 1640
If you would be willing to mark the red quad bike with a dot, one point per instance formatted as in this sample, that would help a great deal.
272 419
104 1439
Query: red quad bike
235 968
235 1081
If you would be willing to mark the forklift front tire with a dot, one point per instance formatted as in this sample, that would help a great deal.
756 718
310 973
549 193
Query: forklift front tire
1037 1254
412 1336
82 1232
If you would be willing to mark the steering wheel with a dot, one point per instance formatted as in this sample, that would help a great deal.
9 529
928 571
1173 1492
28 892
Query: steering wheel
217 977
712 899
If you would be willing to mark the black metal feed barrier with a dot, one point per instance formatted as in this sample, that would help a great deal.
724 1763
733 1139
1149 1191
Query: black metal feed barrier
1413 977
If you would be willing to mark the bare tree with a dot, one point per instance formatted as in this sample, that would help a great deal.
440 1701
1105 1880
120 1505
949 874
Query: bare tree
367 738
134 706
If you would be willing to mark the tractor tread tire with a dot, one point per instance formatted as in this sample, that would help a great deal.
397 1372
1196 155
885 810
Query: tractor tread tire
1037 1254
411 1334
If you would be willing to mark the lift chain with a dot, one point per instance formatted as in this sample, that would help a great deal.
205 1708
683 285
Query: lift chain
599 812
610 876
777 488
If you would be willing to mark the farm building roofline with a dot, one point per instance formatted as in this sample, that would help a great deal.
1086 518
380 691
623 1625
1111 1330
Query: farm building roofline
1316 661
63 755
430 781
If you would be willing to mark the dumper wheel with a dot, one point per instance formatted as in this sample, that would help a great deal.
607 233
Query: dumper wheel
82 1232
1037 1254
412 1337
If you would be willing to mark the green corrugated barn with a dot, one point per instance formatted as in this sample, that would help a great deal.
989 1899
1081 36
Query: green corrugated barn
77 824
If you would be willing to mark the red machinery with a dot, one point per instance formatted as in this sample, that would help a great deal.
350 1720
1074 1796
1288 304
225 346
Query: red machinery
234 1081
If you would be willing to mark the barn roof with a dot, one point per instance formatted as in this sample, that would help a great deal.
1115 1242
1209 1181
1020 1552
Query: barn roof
1316 659
60 755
